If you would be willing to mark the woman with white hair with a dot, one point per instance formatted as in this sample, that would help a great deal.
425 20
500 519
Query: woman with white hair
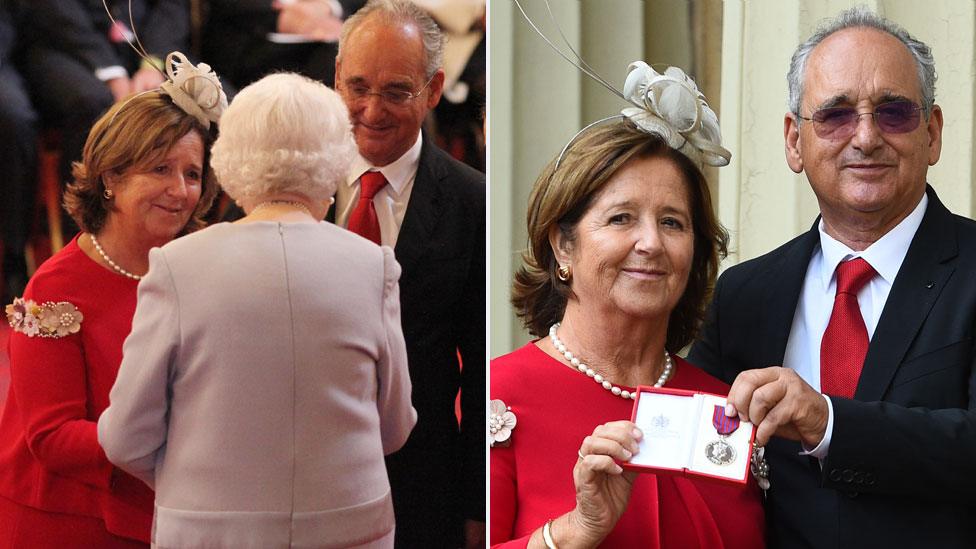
265 376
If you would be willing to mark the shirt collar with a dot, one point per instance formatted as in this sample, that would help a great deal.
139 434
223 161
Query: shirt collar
397 173
885 255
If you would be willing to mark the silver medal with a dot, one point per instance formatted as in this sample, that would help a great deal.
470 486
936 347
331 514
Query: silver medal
720 453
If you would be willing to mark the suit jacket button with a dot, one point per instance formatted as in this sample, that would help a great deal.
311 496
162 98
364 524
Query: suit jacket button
852 495
835 475
848 475
859 478
870 479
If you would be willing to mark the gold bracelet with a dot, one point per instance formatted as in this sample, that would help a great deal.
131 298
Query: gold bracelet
547 535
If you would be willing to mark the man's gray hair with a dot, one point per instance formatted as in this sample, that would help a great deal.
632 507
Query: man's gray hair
861 16
402 11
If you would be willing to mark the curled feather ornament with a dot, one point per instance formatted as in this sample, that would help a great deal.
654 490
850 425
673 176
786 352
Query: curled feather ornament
670 105
194 88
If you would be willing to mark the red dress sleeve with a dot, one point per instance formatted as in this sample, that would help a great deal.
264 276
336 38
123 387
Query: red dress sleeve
503 492
49 377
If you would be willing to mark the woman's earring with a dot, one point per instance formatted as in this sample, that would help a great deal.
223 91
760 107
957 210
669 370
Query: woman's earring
564 273
108 194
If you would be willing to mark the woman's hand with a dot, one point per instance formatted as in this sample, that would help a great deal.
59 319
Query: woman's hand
602 486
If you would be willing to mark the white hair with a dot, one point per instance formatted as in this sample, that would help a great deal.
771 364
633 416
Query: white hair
284 133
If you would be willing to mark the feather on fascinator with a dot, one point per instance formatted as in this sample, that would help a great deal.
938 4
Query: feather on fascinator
668 105
193 88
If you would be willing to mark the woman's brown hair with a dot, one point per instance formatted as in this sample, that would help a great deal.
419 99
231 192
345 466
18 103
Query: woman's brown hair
134 134
561 196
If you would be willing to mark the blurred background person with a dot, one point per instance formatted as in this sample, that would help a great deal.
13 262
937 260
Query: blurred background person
143 180
458 119
18 156
623 250
77 62
265 376
247 39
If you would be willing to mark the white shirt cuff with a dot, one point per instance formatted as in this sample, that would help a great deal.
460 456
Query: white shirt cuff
820 451
111 73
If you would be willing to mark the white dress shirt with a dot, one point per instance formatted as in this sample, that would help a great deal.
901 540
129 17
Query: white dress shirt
390 201
820 287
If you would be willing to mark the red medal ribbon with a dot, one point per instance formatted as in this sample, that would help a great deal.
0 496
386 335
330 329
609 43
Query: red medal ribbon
724 424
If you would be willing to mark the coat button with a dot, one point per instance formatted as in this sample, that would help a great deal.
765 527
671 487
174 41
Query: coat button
835 475
852 495
870 479
848 475
859 478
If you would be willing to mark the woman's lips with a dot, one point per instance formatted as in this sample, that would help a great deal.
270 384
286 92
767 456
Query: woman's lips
169 209
645 274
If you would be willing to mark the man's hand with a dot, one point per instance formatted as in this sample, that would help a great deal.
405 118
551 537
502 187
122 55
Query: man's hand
780 403
120 87
309 18
146 78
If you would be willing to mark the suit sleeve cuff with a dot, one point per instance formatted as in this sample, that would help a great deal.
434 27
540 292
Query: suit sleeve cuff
820 451
111 73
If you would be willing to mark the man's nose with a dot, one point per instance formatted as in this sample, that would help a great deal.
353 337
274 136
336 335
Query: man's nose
867 134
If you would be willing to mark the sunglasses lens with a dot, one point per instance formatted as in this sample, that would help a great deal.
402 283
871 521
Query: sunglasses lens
835 122
891 117
897 116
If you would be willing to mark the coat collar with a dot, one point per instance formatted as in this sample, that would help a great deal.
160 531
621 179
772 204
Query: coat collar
924 273
424 208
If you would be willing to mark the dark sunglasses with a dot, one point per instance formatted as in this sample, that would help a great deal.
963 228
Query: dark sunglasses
838 123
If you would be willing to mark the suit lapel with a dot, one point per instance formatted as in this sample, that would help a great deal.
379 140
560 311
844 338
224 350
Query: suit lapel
783 282
423 209
924 272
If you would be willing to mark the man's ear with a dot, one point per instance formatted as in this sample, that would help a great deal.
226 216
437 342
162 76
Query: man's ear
436 88
934 129
791 135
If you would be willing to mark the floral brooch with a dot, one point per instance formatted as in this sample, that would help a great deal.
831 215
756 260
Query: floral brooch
46 320
501 421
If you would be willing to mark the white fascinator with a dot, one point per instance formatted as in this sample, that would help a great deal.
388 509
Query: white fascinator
194 88
671 106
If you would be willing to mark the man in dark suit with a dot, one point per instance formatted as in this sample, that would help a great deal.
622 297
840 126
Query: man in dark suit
431 210
77 63
870 422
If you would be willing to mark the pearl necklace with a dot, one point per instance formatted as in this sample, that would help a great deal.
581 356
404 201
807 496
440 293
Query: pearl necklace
114 265
579 365
294 203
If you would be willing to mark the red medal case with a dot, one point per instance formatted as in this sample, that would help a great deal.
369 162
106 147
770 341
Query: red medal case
680 437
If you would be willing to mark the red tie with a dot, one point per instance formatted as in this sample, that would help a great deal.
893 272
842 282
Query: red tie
845 341
363 219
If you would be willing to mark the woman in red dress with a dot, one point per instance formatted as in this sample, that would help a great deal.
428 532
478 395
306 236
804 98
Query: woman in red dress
144 179
624 248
